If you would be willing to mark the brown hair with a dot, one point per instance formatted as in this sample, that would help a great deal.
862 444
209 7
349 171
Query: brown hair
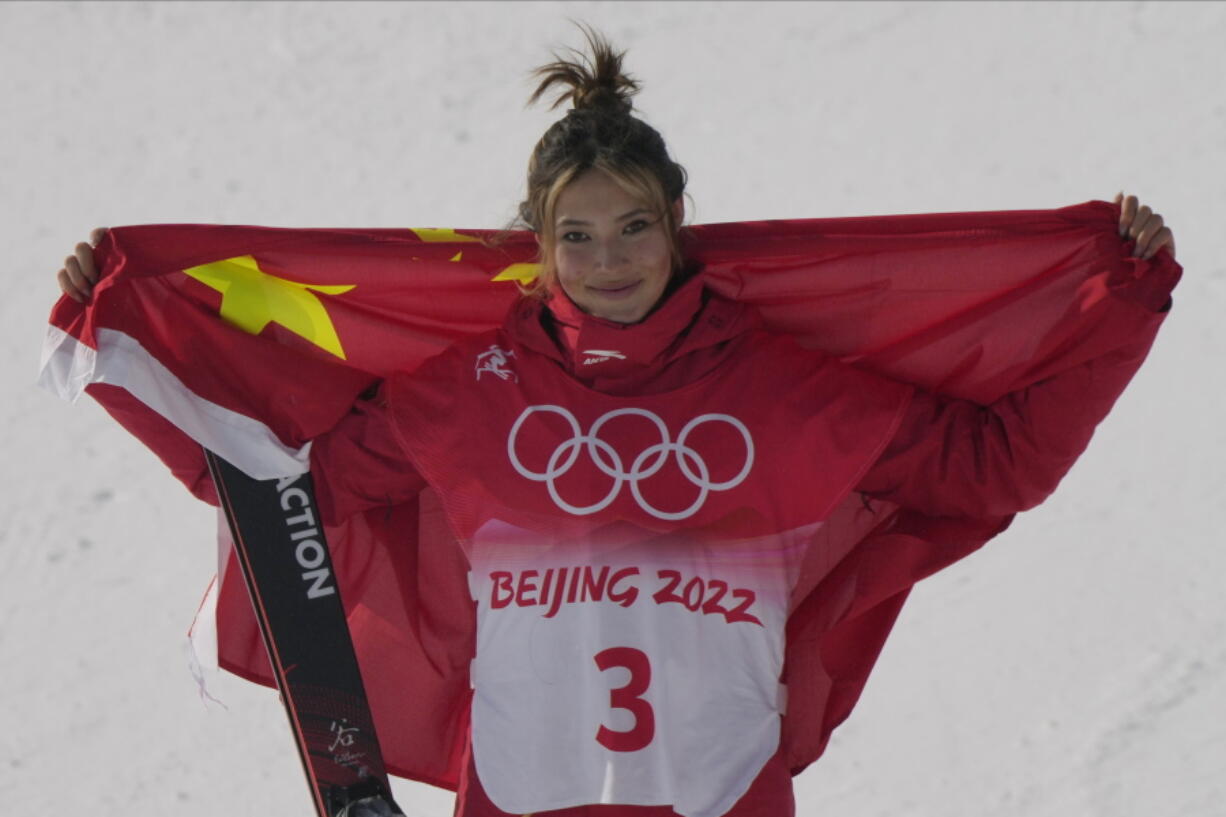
599 132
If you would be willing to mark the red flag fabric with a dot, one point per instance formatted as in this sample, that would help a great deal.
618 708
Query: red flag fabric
253 341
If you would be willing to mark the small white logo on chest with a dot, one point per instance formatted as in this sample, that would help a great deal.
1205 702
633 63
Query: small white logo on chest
601 355
494 361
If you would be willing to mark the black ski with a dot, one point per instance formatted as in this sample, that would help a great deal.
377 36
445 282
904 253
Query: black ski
284 557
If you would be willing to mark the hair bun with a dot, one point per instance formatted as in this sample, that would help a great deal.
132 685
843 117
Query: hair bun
592 83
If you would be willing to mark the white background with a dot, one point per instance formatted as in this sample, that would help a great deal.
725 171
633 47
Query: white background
1075 666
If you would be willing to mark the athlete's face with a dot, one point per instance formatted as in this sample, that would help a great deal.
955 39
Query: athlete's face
612 252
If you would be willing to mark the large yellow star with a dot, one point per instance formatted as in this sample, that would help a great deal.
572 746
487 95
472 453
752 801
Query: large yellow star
251 298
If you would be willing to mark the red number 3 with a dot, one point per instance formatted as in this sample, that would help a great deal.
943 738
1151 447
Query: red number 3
627 697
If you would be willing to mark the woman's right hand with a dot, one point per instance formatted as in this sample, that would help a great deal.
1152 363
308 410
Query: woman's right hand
78 275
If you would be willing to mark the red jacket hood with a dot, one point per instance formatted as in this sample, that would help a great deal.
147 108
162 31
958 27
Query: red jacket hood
686 336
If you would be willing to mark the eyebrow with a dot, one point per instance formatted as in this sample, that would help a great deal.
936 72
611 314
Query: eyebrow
572 222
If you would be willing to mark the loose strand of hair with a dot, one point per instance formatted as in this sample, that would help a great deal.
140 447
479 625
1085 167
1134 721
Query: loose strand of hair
586 75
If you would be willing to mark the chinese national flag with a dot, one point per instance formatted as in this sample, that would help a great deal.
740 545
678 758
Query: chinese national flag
251 341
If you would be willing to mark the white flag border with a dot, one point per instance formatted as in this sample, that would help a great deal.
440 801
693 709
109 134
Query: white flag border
68 366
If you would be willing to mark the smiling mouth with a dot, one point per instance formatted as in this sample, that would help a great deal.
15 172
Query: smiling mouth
616 291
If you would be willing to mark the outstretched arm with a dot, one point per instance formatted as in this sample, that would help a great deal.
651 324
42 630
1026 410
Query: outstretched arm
359 465
954 457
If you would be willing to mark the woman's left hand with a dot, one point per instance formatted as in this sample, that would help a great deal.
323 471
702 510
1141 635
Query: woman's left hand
1145 226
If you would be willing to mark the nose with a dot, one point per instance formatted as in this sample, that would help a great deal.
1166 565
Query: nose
609 255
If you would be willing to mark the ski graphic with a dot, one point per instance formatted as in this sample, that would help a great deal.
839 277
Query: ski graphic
284 558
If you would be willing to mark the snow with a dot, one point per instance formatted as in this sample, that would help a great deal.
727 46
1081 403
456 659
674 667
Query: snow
1077 665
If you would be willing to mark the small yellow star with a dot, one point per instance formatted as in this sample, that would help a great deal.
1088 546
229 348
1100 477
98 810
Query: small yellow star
439 234
523 272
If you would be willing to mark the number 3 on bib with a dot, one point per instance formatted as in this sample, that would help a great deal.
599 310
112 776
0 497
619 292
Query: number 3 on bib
627 697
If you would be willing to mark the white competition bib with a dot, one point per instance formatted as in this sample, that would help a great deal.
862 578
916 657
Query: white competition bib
638 674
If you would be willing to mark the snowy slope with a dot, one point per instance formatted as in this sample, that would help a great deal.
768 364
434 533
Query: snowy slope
1077 666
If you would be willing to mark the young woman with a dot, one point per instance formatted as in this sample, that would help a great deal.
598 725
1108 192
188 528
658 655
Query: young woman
625 421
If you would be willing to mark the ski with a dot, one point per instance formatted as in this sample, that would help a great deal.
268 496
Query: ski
283 554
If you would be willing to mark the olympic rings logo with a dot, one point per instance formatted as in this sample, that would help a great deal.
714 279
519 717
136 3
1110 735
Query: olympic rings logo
648 462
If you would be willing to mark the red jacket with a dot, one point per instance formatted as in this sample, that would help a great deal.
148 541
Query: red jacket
941 461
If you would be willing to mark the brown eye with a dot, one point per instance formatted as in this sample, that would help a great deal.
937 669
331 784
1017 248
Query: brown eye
637 226
574 237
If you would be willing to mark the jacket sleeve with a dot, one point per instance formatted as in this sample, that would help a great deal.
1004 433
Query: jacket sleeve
952 457
359 464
